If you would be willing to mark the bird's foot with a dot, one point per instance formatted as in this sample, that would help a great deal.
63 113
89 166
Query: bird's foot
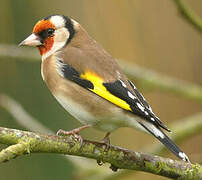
74 132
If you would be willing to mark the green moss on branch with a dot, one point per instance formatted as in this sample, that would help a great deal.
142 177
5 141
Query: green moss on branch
119 158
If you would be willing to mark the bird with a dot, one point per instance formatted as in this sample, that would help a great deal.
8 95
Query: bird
88 82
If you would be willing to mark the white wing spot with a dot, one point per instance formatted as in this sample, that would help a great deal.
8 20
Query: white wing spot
140 107
131 95
122 83
146 113
152 119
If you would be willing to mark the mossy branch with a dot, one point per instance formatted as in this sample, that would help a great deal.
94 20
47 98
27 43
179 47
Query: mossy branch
191 126
23 142
182 130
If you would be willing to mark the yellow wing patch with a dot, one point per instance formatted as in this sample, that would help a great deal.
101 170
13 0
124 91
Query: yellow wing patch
100 90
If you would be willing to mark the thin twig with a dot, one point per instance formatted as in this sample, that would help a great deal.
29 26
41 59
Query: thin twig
20 115
118 158
152 80
13 51
189 15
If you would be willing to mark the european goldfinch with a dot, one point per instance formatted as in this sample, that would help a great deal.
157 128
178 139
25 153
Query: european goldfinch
88 82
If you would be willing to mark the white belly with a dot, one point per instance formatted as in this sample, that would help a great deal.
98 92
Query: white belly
76 110
117 120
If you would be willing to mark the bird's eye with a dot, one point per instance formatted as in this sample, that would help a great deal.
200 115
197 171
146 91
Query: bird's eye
45 34
50 31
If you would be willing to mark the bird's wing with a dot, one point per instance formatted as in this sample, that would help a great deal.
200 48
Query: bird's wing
116 92
147 106
119 93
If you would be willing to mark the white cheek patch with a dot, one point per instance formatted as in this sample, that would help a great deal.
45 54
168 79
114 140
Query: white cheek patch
60 38
58 21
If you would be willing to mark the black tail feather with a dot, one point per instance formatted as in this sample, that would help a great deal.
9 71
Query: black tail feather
164 139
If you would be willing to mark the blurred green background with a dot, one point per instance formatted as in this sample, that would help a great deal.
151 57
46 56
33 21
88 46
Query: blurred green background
149 33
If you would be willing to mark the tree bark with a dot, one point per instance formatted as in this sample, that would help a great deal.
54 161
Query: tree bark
23 142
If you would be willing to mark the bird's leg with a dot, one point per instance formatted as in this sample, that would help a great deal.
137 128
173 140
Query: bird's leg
106 139
74 132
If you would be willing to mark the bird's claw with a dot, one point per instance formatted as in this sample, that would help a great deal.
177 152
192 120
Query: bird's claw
73 133
79 138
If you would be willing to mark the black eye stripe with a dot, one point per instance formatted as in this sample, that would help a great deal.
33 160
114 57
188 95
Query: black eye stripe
46 33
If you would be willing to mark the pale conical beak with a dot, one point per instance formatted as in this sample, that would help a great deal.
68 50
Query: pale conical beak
32 40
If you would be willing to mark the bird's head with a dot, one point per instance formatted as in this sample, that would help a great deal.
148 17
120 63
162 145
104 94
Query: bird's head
51 34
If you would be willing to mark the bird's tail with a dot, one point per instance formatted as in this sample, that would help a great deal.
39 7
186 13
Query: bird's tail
161 136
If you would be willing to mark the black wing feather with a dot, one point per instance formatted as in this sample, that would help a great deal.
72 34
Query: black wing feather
116 88
148 107
71 74
121 92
